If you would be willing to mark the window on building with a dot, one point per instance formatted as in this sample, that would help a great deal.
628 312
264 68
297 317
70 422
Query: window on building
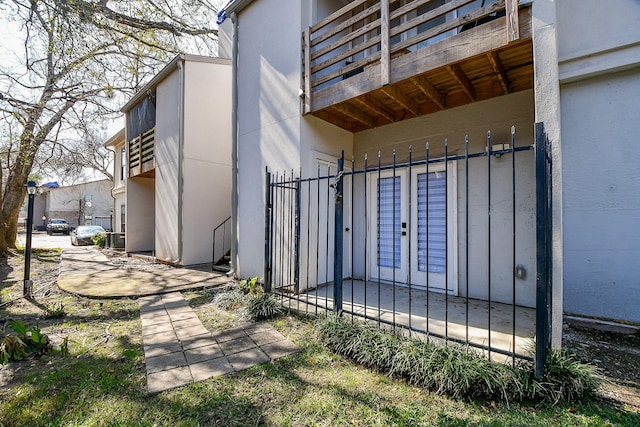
122 218
123 163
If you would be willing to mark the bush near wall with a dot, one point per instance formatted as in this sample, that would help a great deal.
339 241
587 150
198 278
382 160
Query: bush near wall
456 370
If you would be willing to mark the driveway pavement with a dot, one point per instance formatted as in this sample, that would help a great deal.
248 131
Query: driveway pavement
40 240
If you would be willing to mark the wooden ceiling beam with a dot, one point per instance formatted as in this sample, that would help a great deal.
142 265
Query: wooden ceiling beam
459 76
401 98
370 102
426 87
333 116
355 113
494 59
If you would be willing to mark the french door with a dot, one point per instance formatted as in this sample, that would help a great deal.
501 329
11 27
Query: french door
413 227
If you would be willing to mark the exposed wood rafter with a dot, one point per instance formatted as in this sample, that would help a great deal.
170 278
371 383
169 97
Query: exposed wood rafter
459 76
429 90
494 59
401 98
355 113
373 104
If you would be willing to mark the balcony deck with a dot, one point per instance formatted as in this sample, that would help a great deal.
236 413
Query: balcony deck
142 159
373 63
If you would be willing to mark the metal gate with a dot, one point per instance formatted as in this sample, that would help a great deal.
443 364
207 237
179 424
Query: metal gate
322 255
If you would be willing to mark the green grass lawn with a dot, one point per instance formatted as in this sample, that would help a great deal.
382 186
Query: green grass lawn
101 382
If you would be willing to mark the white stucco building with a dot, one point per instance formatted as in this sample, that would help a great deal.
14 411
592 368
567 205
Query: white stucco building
178 165
378 78
88 203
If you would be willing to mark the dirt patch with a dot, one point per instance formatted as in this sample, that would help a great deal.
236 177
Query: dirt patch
618 358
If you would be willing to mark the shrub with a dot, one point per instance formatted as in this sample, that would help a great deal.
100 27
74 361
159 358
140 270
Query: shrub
564 380
25 342
100 240
263 307
456 370
230 299
251 286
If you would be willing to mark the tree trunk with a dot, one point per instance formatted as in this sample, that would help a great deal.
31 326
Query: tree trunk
14 197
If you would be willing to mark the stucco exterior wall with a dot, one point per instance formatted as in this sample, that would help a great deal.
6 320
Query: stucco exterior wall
595 37
167 167
599 92
497 115
140 206
207 157
269 115
271 130
602 196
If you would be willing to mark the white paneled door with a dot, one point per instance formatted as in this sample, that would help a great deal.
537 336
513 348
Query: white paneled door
413 227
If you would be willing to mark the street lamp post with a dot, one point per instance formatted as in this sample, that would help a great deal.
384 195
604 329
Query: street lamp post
28 284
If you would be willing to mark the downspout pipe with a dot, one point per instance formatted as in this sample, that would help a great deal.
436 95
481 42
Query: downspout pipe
234 147
180 160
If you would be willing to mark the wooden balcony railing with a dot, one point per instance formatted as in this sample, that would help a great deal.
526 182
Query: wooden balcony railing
374 33
142 153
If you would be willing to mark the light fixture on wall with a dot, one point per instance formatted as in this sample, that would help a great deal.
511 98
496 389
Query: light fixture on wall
499 149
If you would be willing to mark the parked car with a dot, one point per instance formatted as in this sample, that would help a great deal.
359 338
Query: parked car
57 226
84 234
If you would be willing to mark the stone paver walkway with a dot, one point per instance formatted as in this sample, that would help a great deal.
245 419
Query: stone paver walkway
180 350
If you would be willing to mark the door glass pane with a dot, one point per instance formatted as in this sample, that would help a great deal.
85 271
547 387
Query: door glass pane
388 231
436 206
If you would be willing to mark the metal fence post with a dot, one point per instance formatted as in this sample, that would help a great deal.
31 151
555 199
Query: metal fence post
267 232
543 249
338 239
296 250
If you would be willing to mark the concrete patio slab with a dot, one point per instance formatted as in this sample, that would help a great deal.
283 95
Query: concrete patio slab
200 354
86 271
237 345
211 368
248 358
168 379
165 361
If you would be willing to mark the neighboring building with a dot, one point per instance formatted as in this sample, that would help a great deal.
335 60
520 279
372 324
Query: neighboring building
178 165
117 144
441 72
79 204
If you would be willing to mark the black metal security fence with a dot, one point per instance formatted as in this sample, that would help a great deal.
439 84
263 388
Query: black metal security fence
443 245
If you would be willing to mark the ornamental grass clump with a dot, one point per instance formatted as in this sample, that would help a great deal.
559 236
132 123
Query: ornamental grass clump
564 380
263 307
457 370
230 299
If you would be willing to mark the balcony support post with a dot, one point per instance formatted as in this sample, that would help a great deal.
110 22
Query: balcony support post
513 26
306 90
385 48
